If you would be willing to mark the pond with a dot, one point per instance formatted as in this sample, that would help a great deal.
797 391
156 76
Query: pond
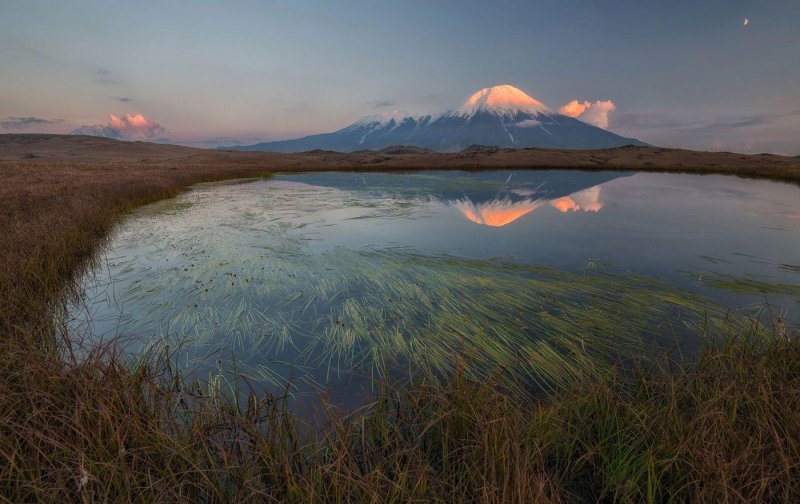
315 282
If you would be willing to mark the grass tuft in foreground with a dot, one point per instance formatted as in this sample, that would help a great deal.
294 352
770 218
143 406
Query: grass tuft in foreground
724 428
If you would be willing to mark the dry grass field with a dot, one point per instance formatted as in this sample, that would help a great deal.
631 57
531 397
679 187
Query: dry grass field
54 150
724 428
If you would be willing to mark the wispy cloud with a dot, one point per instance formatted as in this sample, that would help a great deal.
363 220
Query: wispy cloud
654 120
20 123
740 122
759 132
103 76
123 99
382 104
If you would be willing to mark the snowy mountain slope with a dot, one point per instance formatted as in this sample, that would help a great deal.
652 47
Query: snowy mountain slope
502 116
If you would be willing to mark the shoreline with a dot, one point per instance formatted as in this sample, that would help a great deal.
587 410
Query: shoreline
54 151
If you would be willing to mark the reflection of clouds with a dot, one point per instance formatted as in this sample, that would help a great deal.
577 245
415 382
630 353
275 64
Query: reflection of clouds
495 213
565 204
500 212
587 200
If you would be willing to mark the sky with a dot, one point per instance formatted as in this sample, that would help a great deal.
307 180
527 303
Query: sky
677 73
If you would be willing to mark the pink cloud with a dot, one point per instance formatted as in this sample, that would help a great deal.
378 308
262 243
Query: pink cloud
127 127
574 108
135 127
595 113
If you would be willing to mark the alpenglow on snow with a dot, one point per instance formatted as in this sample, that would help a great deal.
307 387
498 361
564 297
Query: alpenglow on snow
501 116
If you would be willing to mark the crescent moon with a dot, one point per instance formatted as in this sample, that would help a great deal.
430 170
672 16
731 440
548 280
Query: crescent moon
746 22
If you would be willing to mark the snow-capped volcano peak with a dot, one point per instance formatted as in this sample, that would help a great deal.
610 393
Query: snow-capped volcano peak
502 100
501 116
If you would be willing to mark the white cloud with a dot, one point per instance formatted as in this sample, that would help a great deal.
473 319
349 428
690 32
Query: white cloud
595 113
528 123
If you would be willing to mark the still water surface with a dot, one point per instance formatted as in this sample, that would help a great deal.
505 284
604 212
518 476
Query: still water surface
329 280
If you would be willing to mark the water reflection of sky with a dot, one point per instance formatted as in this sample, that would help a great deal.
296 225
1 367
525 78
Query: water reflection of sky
275 271
659 224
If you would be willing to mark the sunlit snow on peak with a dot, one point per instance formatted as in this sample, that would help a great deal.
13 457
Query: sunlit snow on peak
505 100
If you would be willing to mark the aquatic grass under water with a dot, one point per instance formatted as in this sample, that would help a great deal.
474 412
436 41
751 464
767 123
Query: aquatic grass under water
745 285
790 267
367 312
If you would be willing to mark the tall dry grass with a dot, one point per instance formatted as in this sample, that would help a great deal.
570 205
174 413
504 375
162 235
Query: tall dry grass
725 428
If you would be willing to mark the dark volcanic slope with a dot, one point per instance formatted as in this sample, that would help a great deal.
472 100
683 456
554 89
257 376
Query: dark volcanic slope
453 132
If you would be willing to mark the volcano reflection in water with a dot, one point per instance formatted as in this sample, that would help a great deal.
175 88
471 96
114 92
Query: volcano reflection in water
488 198
500 212
495 213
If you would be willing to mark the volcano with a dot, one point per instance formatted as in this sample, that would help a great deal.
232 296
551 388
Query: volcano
501 116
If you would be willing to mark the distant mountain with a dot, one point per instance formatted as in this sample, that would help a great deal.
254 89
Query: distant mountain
501 116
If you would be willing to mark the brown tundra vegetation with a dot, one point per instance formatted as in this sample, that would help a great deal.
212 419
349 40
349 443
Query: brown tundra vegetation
724 427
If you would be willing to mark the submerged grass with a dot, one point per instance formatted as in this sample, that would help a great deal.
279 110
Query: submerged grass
790 267
722 428
750 285
237 275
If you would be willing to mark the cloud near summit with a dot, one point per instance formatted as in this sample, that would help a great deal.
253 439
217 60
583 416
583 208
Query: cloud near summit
595 113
